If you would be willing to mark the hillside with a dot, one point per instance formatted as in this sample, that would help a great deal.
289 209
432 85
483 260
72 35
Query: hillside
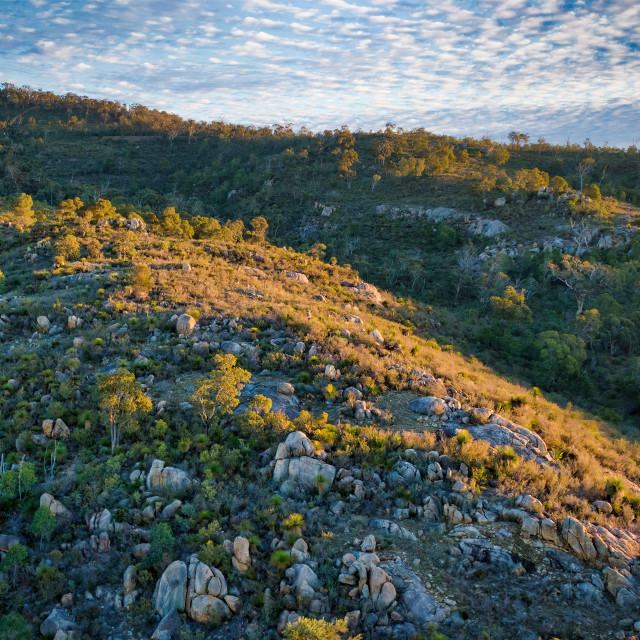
207 432
411 211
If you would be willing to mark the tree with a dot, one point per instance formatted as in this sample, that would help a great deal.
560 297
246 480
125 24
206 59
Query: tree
141 280
43 525
122 399
531 179
465 269
376 178
171 222
124 244
463 157
500 155
217 395
579 277
317 251
94 249
560 358
593 192
205 227
23 213
66 248
259 228
14 483
162 543
518 139
14 560
310 629
584 168
346 159
559 184
511 307
101 209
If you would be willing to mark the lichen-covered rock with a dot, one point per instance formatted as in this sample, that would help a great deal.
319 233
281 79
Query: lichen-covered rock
303 580
209 609
171 589
129 579
305 474
102 520
390 528
297 467
7 541
57 430
218 584
241 557
576 536
55 506
185 324
281 394
171 509
167 478
43 324
57 620
300 277
202 578
167 627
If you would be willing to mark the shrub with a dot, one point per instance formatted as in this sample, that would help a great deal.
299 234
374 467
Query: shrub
310 629
162 543
44 523
14 627
615 488
280 559
293 521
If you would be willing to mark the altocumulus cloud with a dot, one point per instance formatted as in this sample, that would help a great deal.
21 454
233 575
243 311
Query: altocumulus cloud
555 68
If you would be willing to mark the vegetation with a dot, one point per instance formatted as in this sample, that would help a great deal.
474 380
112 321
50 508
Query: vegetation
143 218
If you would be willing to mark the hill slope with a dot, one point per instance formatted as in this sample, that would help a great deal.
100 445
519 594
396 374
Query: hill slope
368 471
411 211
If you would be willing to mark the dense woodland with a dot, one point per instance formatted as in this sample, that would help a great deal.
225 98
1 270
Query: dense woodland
566 323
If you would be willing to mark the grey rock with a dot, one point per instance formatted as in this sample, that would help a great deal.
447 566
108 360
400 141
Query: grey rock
168 626
429 405
57 620
209 609
171 589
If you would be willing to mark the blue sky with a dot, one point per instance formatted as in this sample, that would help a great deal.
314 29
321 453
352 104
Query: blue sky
554 68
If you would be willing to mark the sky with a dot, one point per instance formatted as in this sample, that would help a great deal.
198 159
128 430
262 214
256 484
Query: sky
558 69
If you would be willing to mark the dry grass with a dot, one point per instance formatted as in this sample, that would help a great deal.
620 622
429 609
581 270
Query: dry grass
592 452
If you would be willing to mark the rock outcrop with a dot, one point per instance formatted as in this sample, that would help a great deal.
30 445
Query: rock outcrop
299 467
361 572
197 589
169 479
57 430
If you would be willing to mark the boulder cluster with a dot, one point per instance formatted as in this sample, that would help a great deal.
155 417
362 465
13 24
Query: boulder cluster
299 467
197 589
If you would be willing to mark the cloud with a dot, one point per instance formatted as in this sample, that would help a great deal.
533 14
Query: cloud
454 66
53 50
